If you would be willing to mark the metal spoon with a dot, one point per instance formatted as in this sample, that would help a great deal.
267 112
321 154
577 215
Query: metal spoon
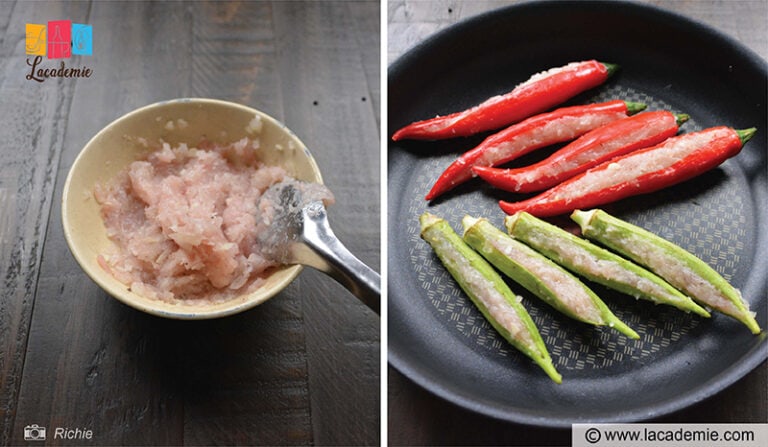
299 233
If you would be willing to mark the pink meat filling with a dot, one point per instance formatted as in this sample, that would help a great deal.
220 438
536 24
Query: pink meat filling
184 221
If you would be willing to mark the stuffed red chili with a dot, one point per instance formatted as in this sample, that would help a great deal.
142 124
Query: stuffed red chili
599 145
537 94
646 170
538 131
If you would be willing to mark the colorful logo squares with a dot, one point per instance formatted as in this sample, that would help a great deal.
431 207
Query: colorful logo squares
59 39
82 39
36 39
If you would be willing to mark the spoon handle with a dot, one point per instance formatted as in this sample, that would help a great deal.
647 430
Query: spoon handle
321 249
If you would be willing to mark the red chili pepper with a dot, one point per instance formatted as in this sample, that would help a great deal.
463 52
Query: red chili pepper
537 94
533 133
599 145
646 170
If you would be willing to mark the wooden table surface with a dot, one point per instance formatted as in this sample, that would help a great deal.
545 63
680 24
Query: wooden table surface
417 417
301 369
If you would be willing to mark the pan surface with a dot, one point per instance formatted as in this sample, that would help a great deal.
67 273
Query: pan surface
439 340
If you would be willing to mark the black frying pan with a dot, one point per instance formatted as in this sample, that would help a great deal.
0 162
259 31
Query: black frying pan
439 340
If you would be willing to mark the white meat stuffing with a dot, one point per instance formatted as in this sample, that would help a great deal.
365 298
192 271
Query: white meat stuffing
184 222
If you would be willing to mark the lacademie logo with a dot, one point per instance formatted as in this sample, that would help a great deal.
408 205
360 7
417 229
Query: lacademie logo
58 39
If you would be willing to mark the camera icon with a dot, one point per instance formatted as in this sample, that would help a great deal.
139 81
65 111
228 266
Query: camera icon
34 433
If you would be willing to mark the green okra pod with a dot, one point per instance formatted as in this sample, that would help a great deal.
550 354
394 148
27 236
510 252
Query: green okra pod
488 291
679 267
596 263
542 277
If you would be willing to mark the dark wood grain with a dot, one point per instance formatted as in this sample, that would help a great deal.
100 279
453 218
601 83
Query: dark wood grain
102 378
410 22
342 342
417 417
33 132
301 369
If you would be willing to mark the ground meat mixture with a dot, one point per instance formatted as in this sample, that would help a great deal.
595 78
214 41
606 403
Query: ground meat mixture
184 221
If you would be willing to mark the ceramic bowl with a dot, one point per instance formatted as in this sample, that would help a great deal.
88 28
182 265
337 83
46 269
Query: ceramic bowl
187 120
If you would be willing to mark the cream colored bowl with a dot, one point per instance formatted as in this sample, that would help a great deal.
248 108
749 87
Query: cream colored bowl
176 121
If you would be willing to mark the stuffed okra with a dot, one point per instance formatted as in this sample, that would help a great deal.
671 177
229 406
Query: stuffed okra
542 277
487 290
596 263
679 267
